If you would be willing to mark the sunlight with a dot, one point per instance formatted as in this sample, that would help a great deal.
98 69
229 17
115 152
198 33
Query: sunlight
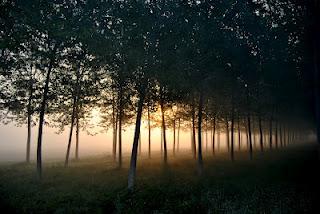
96 116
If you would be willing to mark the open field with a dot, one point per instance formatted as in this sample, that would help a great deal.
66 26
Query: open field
282 181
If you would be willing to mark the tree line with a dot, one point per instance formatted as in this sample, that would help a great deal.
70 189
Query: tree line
229 66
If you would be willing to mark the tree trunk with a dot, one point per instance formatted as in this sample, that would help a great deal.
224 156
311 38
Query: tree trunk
250 137
206 132
77 112
288 135
280 133
232 133
133 161
29 118
71 131
249 123
28 138
276 134
260 133
41 119
247 135
174 137
270 133
114 129
254 145
120 139
200 161
120 100
239 133
140 143
218 140
149 134
191 139
163 128
194 131
161 140
213 134
178 139
77 136
227 134
284 135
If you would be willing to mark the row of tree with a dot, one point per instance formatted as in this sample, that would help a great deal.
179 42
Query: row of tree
206 62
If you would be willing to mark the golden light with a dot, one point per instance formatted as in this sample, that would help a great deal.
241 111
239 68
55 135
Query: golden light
95 116
174 109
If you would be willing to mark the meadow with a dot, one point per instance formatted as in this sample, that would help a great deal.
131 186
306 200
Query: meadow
279 181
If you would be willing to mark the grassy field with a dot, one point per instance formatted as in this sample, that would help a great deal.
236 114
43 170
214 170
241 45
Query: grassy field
282 181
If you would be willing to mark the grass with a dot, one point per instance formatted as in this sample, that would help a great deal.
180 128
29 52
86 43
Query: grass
283 181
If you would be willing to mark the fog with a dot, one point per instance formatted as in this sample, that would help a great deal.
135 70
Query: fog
13 142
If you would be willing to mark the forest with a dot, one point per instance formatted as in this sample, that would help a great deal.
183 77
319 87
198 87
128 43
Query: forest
246 71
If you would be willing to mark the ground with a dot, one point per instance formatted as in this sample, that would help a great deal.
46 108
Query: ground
277 181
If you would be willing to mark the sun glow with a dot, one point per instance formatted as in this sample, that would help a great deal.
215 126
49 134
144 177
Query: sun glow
104 132
95 116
